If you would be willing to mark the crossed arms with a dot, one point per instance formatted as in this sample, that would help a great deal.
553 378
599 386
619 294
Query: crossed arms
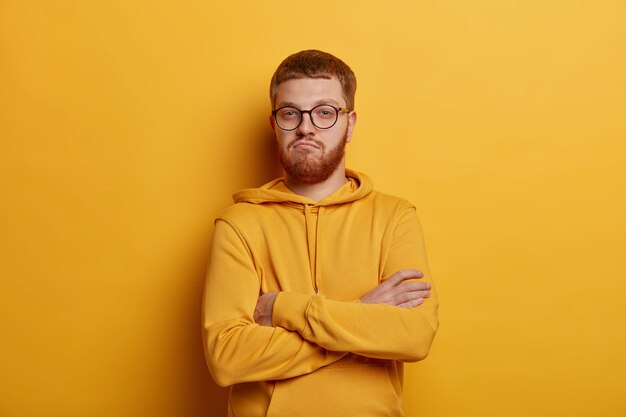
395 291
280 335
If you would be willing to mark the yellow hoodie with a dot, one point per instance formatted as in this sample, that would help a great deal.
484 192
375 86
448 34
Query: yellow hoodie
327 354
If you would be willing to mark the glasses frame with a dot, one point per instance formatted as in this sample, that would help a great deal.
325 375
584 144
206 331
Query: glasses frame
302 112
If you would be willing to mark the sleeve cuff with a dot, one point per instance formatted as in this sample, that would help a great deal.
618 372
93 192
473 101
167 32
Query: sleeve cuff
290 311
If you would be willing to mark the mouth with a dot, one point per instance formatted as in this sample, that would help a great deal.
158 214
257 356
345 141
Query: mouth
305 144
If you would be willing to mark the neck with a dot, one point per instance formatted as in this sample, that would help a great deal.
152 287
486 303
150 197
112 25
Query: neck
320 190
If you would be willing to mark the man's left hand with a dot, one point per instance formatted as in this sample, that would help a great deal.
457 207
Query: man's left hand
264 307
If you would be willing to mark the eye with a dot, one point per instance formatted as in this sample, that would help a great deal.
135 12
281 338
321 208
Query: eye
288 113
325 113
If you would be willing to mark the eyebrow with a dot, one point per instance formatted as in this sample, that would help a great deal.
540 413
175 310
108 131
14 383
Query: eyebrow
316 103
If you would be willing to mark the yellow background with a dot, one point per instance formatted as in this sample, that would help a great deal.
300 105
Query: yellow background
126 125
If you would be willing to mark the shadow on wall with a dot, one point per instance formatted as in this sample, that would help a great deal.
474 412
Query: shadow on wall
272 168
217 398
260 157
258 164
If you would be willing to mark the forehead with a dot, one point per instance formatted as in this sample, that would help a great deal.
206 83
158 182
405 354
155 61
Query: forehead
307 92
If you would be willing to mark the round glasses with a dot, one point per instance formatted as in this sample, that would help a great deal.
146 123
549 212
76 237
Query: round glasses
323 116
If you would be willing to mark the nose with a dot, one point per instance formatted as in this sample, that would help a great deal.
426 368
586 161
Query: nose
306 124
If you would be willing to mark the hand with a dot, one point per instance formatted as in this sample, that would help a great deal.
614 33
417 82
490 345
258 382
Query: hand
264 307
397 292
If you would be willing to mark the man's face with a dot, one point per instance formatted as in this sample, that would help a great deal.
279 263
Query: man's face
310 154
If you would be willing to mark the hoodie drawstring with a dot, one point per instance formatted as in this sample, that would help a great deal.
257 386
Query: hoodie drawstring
312 226
318 278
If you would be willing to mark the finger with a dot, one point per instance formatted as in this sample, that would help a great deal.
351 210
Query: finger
412 286
412 303
407 289
412 295
406 297
406 292
403 275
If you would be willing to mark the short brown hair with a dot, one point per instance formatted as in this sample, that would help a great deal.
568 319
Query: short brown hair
315 64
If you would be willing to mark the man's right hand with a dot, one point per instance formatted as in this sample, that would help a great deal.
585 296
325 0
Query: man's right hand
396 291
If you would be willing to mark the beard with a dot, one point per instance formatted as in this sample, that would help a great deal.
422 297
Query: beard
309 168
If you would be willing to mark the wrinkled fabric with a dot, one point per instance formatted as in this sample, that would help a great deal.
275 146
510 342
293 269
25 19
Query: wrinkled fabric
327 354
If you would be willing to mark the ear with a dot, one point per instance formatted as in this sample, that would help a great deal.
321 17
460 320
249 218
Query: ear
272 123
351 124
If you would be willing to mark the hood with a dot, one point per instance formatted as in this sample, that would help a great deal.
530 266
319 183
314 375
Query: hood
358 186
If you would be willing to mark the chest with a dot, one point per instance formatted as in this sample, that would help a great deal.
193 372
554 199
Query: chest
339 253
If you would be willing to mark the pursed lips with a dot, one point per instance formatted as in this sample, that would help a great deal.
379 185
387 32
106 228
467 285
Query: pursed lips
305 143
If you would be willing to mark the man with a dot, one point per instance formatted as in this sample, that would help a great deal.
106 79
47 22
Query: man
318 287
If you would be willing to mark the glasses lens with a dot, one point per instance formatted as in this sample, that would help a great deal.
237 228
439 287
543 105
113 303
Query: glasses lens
288 118
324 116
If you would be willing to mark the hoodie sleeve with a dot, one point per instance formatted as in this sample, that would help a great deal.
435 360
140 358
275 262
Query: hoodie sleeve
236 348
374 330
